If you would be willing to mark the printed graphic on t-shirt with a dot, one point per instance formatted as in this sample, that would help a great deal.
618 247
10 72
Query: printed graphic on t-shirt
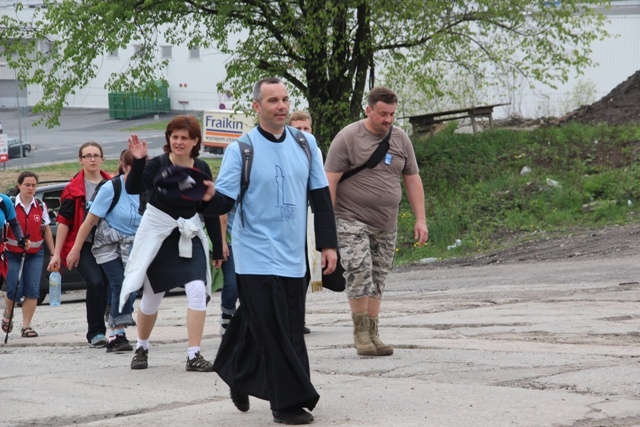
287 210
134 216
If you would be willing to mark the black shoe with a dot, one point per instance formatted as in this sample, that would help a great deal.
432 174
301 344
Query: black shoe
306 330
140 359
119 345
292 416
241 400
199 364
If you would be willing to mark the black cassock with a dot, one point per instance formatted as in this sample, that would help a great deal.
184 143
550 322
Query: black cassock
263 353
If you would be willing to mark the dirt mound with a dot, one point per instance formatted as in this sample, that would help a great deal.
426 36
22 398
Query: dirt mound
606 242
621 106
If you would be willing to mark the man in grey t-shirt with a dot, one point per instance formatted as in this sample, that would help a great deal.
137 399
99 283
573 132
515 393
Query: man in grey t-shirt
366 208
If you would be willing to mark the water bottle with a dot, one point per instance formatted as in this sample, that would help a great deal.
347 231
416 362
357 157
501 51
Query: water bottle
55 287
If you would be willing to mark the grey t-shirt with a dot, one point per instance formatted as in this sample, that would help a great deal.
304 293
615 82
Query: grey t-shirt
371 196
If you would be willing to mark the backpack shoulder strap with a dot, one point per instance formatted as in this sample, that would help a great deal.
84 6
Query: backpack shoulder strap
4 208
87 206
146 195
117 190
302 142
165 160
246 151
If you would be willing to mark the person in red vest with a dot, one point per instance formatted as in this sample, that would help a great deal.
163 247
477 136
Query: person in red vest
34 221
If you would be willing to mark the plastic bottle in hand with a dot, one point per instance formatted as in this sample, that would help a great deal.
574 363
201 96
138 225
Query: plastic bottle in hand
55 288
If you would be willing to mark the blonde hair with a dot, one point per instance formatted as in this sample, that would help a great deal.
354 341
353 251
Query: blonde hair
300 115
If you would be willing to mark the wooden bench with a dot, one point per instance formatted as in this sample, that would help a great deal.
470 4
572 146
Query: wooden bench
428 122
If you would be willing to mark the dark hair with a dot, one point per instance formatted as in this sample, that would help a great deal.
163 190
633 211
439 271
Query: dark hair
382 94
257 88
27 174
126 158
191 125
23 175
90 144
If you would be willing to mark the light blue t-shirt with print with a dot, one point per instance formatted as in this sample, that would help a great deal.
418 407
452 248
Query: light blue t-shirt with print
124 217
272 240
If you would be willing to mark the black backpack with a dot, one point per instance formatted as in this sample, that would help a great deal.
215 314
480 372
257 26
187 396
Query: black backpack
246 150
117 190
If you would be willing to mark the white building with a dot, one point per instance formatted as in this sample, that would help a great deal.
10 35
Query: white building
617 59
193 74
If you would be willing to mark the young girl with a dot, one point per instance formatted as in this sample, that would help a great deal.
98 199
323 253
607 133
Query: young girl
72 212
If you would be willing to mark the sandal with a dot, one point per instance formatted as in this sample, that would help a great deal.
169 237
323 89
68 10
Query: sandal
28 332
7 326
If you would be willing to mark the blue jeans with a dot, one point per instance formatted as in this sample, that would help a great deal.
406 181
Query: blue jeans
229 296
132 297
114 270
30 280
97 284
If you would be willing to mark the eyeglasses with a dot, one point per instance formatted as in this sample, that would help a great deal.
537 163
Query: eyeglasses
92 156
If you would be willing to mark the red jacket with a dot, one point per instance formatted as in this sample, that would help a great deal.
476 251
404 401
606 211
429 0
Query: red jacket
72 212
31 225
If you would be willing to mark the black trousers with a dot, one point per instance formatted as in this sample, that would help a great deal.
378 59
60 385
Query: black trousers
263 353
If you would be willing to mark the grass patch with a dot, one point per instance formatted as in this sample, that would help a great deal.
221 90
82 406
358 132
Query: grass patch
160 125
580 176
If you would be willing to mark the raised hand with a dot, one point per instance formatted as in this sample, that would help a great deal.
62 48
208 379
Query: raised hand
137 147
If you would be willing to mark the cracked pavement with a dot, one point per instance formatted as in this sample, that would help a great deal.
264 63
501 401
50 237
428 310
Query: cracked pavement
554 343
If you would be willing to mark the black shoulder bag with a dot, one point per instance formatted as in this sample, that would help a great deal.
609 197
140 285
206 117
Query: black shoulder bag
336 281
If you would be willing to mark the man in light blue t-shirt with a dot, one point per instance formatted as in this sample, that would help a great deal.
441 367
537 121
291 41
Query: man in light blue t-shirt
263 353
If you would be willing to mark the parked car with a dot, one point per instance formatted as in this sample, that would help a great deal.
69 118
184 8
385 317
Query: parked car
14 145
50 193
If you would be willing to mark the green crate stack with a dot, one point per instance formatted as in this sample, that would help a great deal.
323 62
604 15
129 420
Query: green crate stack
130 105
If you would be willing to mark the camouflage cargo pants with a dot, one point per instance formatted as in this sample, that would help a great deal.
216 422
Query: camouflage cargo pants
367 257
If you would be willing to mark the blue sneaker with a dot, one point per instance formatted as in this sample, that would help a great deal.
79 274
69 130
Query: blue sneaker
98 341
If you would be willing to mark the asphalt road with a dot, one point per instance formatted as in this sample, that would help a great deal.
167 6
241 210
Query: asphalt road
553 343
522 344
77 126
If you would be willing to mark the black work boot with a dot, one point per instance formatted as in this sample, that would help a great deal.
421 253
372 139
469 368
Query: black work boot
241 400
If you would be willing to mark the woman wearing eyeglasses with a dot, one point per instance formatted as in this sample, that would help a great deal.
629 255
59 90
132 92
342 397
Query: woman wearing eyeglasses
72 212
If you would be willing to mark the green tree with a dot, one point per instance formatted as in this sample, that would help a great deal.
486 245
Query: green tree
327 50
